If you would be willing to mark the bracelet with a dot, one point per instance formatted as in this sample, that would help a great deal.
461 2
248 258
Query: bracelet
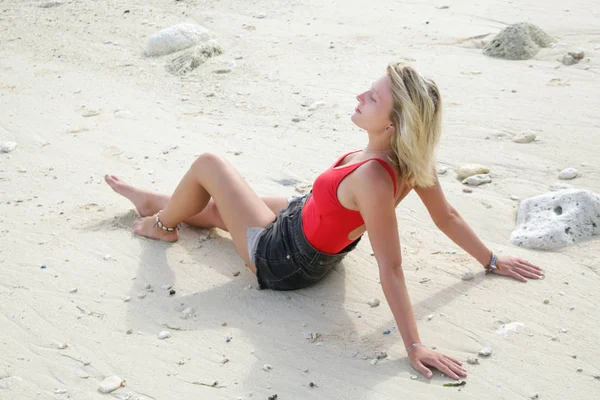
492 266
412 347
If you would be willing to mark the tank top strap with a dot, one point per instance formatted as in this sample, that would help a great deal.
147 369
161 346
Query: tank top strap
380 161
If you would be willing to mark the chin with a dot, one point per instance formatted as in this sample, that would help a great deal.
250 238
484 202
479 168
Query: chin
355 118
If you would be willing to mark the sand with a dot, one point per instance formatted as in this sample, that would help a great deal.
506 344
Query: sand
81 100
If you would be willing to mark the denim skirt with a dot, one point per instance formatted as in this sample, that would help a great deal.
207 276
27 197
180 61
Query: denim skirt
284 259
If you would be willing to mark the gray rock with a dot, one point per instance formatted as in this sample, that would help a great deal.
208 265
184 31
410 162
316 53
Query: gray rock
374 302
520 41
471 169
568 173
472 360
557 219
191 60
477 180
468 276
524 137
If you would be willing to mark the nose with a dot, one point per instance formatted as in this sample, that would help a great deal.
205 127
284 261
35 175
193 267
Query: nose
360 98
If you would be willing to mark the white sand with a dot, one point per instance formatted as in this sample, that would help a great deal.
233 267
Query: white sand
81 58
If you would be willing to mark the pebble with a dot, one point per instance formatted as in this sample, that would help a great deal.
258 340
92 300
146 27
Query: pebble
564 330
380 354
236 273
129 331
525 137
374 302
43 266
106 257
141 295
534 396
579 369
468 170
296 119
316 105
562 293
429 317
413 377
467 276
260 15
386 332
485 352
546 301
164 335
472 360
515 198
165 287
442 170
8 147
568 173
476 180
60 391
50 4
172 292
111 384
224 360
74 290
312 384
127 299
267 367
467 190
187 313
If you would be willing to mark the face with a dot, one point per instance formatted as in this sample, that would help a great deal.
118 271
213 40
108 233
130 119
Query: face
374 106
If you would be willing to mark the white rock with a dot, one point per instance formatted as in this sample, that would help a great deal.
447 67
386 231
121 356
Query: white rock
260 15
525 137
534 396
442 170
73 290
8 147
429 317
555 187
476 180
468 276
141 295
413 377
486 352
106 257
568 173
472 360
267 367
175 38
471 169
564 330
315 105
164 335
374 302
111 384
127 299
187 313
515 198
557 219
467 190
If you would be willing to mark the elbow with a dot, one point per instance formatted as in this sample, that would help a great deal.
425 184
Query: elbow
447 219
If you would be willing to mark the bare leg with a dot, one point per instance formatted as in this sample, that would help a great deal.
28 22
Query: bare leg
149 203
211 176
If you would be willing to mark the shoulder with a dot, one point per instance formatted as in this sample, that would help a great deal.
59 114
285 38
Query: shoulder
373 178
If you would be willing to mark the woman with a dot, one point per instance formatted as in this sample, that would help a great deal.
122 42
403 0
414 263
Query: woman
292 244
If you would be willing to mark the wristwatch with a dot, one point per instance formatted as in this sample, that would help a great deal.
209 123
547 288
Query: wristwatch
490 268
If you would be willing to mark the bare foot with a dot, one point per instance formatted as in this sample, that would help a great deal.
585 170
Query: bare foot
146 203
147 227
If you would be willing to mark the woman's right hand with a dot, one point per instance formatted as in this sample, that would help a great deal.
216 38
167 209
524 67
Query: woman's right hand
421 357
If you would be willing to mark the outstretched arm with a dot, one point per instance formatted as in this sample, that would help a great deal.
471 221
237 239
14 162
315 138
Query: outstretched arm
449 221
375 201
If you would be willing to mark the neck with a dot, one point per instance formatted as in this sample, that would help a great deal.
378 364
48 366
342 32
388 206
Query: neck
378 143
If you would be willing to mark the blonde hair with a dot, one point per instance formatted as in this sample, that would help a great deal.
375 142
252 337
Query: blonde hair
417 118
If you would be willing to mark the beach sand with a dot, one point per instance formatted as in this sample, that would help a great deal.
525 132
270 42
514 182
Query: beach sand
80 99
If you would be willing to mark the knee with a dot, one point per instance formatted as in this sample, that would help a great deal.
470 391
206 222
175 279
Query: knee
207 159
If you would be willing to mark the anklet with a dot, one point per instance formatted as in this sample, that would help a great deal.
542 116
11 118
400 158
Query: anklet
164 228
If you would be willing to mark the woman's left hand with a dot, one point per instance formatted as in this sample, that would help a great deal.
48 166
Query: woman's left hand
518 268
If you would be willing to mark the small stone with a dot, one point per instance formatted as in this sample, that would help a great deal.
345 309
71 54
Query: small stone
260 15
380 355
8 147
236 273
111 384
554 339
227 339
472 360
224 360
129 331
164 335
50 4
534 396
579 369
141 295
296 119
175 38
413 377
568 173
224 324
148 286
568 59
515 198
485 352
387 332
267 367
476 180
187 313
573 355
73 290
546 301
374 302
443 170
564 330
316 105
60 391
312 384
429 317
468 276
62 346
374 361
172 292
468 170
107 257
127 299
525 137
467 190
561 293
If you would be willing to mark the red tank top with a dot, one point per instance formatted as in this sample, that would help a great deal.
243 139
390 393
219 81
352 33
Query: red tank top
325 222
